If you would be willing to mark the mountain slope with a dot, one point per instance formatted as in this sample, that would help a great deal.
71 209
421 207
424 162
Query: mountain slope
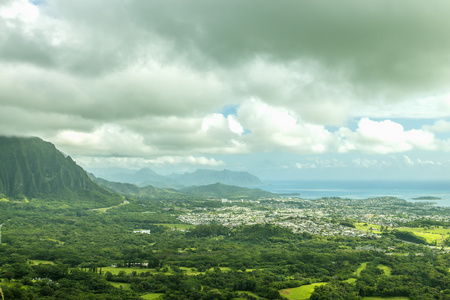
142 177
146 192
220 190
206 177
145 177
33 168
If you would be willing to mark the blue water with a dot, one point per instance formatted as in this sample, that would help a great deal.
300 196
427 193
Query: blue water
364 189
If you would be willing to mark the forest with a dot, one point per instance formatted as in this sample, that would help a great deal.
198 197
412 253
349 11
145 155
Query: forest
54 249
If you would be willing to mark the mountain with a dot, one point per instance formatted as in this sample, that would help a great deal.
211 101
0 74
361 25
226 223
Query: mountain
206 177
145 177
129 189
220 190
142 177
33 168
217 190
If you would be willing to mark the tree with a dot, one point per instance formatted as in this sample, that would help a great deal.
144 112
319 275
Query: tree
8 275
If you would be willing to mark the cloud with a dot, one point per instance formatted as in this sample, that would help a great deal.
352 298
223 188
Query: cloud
107 140
156 136
26 122
305 88
151 79
365 163
190 160
416 108
163 163
384 137
276 128
321 162
420 162
408 161
22 10
438 126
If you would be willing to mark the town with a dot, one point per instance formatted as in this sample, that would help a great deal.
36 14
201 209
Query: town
325 217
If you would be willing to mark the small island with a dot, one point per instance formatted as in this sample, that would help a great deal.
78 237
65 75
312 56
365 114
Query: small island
427 198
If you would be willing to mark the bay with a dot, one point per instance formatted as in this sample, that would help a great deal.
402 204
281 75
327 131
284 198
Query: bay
406 190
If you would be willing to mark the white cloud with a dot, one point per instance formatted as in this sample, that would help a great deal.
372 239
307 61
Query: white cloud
438 126
313 163
151 85
107 140
364 162
384 137
305 166
160 162
190 160
234 125
414 108
22 10
408 160
273 128
420 162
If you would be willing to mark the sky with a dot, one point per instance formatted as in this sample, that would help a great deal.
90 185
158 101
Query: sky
282 89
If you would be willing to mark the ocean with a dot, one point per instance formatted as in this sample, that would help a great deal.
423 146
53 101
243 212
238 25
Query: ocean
406 190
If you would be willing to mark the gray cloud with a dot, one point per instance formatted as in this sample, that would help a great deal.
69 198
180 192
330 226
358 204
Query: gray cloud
384 48
148 78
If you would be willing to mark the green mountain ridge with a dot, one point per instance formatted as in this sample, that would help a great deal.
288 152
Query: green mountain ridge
32 168
217 190
129 189
220 190
207 177
146 176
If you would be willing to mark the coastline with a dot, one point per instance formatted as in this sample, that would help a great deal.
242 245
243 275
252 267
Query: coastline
411 191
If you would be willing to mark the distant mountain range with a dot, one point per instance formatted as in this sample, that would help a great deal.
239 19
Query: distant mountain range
144 177
32 168
220 190
215 191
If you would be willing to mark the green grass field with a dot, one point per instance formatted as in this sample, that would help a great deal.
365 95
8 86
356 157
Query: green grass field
248 293
37 262
300 293
361 267
361 226
152 296
116 271
177 226
386 269
104 209
187 271
387 298
125 286
430 234
350 280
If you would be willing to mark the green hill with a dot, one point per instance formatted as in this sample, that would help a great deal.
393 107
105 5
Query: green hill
208 177
32 168
220 190
146 192
217 190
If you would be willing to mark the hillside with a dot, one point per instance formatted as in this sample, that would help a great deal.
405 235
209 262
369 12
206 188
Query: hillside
220 190
32 168
129 189
206 177
217 190
146 176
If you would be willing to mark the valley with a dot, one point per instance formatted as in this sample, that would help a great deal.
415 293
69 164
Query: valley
217 243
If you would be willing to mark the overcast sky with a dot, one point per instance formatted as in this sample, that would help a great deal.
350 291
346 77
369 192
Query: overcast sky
283 89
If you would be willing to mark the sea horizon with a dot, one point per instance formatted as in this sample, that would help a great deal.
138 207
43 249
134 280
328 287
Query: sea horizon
363 189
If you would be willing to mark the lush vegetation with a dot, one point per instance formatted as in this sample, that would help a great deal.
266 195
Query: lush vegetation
71 239
75 253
